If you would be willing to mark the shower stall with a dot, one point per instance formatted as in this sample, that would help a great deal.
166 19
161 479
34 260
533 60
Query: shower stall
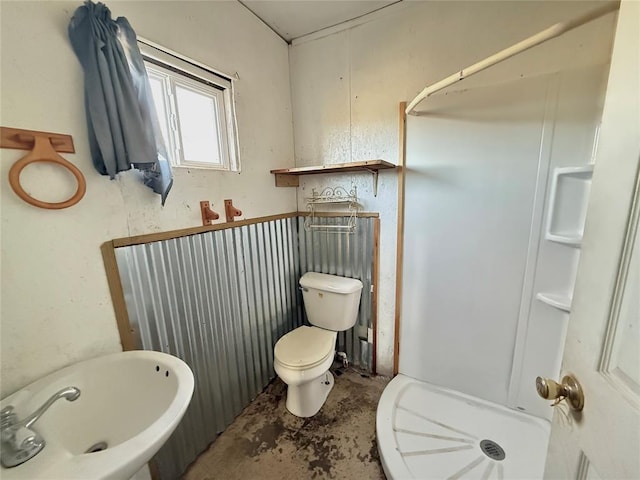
496 183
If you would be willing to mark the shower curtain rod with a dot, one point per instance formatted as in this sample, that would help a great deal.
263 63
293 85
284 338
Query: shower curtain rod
541 37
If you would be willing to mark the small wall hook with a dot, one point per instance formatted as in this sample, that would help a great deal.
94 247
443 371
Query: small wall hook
208 215
230 210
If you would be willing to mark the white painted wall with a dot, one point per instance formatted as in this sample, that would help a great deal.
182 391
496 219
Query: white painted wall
347 83
56 307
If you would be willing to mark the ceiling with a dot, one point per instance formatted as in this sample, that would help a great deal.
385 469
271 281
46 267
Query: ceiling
294 18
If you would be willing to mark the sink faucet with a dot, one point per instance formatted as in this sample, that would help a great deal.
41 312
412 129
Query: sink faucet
19 442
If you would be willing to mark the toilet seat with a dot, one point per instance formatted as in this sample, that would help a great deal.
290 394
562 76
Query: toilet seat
305 347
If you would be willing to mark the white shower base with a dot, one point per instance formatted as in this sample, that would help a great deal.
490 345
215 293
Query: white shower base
429 432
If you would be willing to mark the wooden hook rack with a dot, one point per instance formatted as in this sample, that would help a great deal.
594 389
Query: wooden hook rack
43 147
208 215
230 210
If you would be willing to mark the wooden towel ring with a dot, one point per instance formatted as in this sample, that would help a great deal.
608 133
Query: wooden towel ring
43 151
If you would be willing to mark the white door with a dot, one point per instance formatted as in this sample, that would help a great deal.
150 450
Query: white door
603 341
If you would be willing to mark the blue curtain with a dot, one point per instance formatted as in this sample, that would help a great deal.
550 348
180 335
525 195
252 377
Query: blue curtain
121 117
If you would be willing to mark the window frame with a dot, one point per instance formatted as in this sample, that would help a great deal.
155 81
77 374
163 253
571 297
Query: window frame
193 76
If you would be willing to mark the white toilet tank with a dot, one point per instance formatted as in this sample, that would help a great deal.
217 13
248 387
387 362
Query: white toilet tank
331 302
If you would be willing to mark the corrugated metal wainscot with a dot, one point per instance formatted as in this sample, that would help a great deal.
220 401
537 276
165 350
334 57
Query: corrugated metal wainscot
220 300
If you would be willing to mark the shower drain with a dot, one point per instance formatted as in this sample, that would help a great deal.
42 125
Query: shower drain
492 450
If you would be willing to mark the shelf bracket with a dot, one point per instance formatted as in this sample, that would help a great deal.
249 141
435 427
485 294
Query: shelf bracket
375 180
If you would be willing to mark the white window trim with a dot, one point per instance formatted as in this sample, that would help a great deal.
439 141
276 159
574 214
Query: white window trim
169 59
171 81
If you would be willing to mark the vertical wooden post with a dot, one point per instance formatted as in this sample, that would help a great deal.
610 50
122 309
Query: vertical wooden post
400 240
374 298
127 334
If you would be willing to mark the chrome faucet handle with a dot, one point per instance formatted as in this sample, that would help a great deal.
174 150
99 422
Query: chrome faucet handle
22 445
19 441
26 439
8 417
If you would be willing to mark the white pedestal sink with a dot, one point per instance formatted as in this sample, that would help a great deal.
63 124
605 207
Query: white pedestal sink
129 404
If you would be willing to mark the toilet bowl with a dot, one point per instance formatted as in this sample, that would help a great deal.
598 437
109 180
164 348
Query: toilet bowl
302 360
303 356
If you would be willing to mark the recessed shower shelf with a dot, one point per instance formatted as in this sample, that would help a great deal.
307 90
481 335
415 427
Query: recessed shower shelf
568 204
561 302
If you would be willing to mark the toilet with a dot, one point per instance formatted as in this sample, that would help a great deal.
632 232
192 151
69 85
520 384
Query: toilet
303 356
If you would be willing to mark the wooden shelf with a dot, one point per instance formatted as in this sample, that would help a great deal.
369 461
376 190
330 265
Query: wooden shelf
288 177
365 165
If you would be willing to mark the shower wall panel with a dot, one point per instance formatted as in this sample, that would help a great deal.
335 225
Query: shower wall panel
471 179
477 258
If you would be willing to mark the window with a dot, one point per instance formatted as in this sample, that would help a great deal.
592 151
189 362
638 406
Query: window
195 111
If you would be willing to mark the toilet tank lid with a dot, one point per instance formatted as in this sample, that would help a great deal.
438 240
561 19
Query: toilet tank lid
330 283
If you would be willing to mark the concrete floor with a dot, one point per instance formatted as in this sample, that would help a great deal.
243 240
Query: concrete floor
266 442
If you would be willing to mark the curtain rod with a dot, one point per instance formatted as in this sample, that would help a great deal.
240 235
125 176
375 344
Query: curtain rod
540 37
184 58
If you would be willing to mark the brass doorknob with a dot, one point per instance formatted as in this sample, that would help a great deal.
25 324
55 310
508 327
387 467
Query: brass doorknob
569 389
